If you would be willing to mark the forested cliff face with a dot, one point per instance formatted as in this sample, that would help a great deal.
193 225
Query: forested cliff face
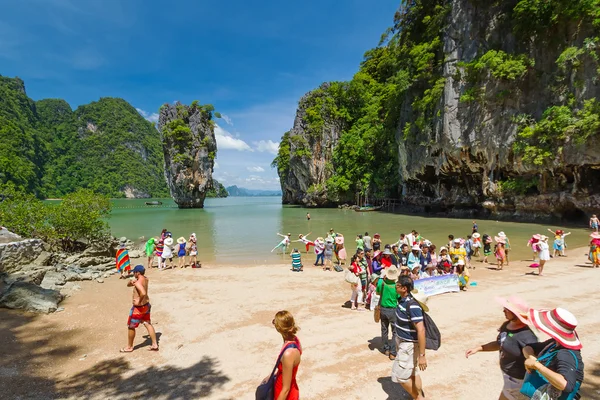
189 148
465 106
50 150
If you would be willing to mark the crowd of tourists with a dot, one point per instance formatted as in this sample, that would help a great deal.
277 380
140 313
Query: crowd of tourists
382 278
163 249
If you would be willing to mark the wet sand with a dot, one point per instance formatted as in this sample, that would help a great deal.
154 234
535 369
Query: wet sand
217 341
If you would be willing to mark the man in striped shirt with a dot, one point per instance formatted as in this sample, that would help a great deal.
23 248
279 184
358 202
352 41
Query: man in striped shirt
410 341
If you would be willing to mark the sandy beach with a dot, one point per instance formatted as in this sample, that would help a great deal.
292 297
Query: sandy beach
217 341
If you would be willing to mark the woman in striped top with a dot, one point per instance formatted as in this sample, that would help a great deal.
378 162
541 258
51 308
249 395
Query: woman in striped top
296 260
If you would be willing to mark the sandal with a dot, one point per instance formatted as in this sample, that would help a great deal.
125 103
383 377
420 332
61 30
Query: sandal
124 350
153 349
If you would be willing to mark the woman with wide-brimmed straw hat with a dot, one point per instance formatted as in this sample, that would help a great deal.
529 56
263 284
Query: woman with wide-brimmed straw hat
555 367
514 335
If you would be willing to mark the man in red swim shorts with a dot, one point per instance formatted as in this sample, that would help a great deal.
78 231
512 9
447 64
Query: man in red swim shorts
140 312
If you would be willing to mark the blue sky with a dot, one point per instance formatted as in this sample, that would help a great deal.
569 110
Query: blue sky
252 60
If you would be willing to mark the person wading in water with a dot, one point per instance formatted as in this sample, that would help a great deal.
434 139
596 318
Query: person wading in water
140 312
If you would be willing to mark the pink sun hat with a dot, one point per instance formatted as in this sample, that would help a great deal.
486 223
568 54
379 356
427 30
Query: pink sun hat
517 307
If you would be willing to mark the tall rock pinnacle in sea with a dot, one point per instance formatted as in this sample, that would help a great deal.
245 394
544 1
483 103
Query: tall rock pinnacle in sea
189 146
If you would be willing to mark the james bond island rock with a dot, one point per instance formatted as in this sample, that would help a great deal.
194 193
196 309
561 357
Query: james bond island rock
189 147
488 108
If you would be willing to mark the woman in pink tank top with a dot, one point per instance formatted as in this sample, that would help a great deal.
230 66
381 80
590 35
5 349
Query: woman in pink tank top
286 387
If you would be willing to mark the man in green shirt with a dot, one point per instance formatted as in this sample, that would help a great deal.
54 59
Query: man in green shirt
386 288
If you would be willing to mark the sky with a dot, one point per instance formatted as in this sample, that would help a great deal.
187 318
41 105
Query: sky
252 60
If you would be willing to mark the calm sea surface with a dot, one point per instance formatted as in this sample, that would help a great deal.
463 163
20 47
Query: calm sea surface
243 230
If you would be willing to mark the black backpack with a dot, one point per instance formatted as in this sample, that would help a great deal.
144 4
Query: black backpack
433 337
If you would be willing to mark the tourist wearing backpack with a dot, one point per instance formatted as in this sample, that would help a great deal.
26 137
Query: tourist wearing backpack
410 338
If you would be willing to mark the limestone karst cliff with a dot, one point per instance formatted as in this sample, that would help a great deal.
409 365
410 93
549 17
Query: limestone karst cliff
189 148
489 107
51 150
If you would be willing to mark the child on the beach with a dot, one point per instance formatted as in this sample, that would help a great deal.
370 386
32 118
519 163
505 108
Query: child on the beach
560 243
476 244
193 256
463 275
500 254
487 247
534 244
372 298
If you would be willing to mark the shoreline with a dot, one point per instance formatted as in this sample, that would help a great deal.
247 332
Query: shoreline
209 318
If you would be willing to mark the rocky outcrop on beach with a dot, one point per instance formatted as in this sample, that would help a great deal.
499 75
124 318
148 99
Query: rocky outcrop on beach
37 279
189 148
492 107
30 297
18 253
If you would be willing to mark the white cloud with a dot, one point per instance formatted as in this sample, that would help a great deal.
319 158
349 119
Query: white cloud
227 119
225 141
150 117
268 146
255 169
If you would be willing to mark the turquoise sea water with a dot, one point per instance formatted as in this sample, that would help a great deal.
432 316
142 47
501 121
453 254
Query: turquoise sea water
243 230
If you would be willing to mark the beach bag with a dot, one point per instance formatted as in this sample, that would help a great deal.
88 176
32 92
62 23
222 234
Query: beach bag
536 387
266 391
377 311
433 337
351 278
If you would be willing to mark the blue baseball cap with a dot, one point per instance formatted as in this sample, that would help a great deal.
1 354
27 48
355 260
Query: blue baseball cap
139 268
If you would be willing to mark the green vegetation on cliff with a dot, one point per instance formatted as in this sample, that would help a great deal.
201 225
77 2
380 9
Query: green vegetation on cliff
49 150
367 109
399 119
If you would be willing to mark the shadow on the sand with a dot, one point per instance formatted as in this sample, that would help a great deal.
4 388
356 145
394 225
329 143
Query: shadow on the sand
26 351
591 383
347 304
112 379
589 266
393 390
23 352
148 341
376 344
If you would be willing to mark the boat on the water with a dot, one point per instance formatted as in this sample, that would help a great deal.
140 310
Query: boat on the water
367 208
153 203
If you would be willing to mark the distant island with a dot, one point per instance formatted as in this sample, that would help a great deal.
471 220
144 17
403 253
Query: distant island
235 191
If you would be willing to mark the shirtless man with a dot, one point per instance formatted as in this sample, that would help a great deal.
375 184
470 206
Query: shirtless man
140 312
594 222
